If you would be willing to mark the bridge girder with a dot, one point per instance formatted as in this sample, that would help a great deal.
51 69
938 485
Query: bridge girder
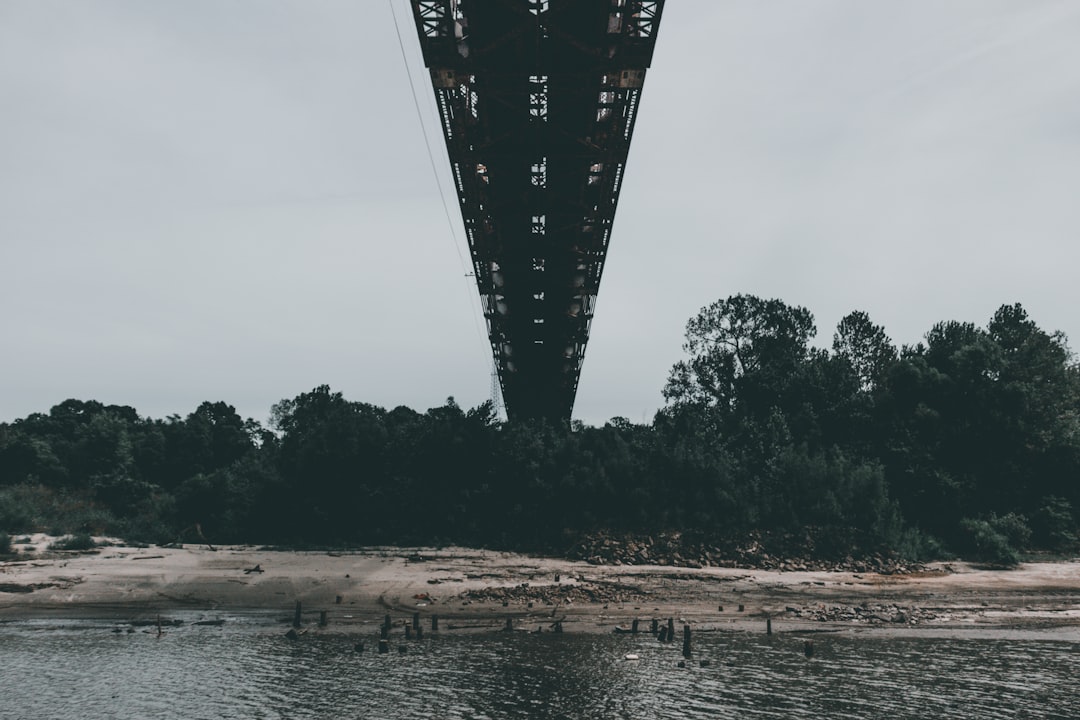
537 101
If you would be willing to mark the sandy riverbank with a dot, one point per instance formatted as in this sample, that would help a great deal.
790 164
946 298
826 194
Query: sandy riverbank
478 589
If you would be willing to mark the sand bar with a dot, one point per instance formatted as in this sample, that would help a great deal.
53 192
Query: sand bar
472 589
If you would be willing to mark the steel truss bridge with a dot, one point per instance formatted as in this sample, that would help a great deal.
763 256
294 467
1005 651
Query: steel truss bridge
538 100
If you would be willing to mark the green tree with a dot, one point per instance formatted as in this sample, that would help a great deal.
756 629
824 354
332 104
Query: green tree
744 352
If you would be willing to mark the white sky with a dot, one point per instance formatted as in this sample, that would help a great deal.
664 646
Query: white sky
231 199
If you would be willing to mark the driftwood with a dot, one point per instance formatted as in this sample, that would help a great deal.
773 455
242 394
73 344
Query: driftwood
198 530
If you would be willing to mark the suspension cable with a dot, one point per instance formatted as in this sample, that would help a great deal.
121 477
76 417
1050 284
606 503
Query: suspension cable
467 272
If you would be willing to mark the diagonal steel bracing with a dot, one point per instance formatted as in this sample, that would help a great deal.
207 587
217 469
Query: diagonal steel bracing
538 100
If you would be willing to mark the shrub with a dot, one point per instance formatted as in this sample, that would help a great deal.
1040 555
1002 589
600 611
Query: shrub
1053 524
1014 527
988 544
81 541
34 508
913 544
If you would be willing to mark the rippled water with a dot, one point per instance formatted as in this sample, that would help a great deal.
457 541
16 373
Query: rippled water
246 669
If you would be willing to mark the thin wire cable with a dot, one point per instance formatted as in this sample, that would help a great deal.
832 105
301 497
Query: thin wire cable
468 272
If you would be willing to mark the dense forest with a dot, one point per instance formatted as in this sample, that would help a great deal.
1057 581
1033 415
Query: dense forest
967 443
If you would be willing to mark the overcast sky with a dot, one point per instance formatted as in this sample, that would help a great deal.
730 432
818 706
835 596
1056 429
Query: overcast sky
231 199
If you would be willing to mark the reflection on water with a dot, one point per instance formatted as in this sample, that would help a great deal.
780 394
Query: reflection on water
246 669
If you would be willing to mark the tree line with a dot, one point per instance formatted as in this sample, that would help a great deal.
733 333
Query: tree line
967 442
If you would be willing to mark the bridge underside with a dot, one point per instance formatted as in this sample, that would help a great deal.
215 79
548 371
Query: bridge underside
538 100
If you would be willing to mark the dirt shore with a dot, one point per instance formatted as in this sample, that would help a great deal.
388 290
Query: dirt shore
475 590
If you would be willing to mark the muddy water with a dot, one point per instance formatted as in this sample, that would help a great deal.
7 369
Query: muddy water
246 669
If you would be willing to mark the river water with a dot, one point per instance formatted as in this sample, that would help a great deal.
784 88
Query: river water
247 669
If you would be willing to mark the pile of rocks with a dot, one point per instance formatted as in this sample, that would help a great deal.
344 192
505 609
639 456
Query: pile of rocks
524 593
671 549
870 613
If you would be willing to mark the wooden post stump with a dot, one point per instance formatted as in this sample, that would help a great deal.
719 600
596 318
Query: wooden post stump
662 637
384 646
435 623
686 641
337 599
671 629
768 626
419 632
634 626
808 648
509 624
655 624
408 632
416 621
296 615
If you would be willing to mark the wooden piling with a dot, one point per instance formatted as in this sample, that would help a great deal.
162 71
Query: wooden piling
337 599
384 646
662 637
686 641
509 624
671 629
296 615
741 608
768 626
419 632
435 623
634 626
655 624
408 632
416 621
322 618
808 648
558 626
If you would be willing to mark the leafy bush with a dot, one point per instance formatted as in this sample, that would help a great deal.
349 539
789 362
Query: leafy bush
988 544
1053 524
81 541
913 544
36 508
1014 527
